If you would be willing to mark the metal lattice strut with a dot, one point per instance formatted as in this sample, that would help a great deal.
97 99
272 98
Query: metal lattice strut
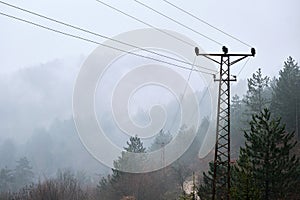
221 177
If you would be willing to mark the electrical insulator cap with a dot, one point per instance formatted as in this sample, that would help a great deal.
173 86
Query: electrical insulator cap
253 51
197 51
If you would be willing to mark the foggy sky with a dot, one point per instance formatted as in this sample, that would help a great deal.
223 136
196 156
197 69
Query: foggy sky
272 27
29 53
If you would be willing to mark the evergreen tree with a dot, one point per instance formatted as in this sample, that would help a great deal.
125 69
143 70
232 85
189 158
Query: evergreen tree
206 187
134 145
256 99
120 183
6 180
238 120
236 105
265 162
162 139
285 101
23 174
243 185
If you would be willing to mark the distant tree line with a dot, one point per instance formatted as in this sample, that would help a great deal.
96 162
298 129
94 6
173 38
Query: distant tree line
13 180
65 186
167 183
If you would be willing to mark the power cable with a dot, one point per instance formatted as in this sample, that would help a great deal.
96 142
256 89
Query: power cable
200 101
184 91
95 42
145 23
177 22
243 66
99 35
205 22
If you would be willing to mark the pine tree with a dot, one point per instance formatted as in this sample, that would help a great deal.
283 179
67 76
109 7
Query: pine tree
255 99
162 139
135 145
265 162
206 187
243 185
238 120
236 105
121 183
285 101
126 161
6 180
23 174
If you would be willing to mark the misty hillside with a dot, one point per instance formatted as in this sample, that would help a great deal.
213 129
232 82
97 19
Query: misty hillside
149 100
36 104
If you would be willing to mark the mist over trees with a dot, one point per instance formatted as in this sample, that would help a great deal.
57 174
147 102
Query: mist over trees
264 127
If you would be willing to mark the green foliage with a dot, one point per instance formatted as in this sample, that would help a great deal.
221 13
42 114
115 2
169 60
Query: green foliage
166 183
265 169
255 99
135 145
206 187
238 123
126 161
120 183
285 101
243 183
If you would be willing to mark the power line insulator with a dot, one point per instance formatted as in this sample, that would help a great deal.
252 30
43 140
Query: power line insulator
197 51
253 52
225 50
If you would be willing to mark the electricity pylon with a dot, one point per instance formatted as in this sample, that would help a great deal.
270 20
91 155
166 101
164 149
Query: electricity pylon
221 177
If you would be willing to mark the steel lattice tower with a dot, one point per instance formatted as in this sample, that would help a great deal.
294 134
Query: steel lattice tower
221 176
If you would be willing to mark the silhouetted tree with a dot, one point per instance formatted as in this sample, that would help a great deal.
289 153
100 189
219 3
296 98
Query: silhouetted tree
266 168
120 183
206 187
285 101
255 99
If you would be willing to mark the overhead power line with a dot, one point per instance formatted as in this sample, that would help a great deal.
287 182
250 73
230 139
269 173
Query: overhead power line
205 22
184 91
145 23
177 22
98 43
102 36
243 66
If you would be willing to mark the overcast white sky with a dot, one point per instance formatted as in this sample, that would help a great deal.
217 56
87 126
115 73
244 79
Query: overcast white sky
271 26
